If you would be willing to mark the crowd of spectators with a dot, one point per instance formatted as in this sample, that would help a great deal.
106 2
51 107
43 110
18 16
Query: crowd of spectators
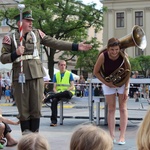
6 89
138 91
82 89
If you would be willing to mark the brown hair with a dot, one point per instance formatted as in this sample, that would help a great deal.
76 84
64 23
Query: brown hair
113 42
90 137
33 141
143 134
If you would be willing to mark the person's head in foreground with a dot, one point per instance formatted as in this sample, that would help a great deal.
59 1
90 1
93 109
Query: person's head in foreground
33 141
90 137
143 134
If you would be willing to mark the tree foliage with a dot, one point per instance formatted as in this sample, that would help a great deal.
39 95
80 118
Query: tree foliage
86 61
141 64
63 19
134 64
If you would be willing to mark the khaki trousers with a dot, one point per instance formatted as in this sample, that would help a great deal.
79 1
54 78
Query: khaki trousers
29 103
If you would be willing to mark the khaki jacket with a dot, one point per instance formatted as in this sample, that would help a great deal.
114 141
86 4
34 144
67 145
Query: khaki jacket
32 68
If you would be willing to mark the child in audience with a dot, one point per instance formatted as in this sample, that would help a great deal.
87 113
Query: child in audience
7 94
90 137
143 134
33 141
5 131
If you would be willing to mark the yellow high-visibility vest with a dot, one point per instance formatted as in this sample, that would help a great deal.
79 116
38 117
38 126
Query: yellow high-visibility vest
63 83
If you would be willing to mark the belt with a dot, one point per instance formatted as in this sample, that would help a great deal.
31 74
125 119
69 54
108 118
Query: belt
26 57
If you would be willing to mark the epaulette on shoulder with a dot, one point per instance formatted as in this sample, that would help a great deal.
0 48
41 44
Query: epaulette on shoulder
42 34
7 39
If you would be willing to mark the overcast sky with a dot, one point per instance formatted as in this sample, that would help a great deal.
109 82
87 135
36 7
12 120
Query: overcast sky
94 1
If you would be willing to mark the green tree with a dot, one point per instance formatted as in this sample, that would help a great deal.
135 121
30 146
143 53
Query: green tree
86 61
144 63
134 64
141 64
63 19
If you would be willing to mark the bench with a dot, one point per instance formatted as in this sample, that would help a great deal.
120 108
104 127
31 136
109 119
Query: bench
96 99
73 100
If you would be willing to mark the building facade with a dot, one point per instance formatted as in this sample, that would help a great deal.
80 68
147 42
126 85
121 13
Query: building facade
120 18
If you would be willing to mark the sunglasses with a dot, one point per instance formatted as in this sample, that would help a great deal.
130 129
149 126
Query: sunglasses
114 44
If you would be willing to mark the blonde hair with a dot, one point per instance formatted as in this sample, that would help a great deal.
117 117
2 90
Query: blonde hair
143 134
90 137
33 141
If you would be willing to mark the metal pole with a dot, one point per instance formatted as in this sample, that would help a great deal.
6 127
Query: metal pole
105 113
91 117
61 112
98 113
21 75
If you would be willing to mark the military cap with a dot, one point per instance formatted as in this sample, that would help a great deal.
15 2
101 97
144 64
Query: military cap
25 15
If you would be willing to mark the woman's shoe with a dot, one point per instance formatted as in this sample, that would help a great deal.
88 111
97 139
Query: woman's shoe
121 143
114 141
3 141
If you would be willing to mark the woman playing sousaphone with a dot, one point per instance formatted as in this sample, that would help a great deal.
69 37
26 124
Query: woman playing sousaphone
111 66
113 70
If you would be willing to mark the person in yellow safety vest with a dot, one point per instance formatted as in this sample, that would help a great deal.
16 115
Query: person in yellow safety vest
63 88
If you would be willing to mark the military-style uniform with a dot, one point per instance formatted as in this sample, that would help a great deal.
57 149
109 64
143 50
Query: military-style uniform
29 102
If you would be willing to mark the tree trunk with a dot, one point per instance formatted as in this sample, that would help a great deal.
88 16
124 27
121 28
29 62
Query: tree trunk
51 63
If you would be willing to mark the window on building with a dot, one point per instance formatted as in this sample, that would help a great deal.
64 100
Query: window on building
120 19
139 18
3 22
138 52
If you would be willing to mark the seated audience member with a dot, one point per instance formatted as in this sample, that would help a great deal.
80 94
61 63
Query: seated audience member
5 131
33 141
63 88
90 137
143 134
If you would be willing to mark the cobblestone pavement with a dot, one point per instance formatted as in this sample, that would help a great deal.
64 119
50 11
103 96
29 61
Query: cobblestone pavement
76 114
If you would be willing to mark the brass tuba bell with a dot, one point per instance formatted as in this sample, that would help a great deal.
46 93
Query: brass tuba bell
135 38
122 74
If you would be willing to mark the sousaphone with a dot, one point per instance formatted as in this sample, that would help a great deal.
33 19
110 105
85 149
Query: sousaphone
122 74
